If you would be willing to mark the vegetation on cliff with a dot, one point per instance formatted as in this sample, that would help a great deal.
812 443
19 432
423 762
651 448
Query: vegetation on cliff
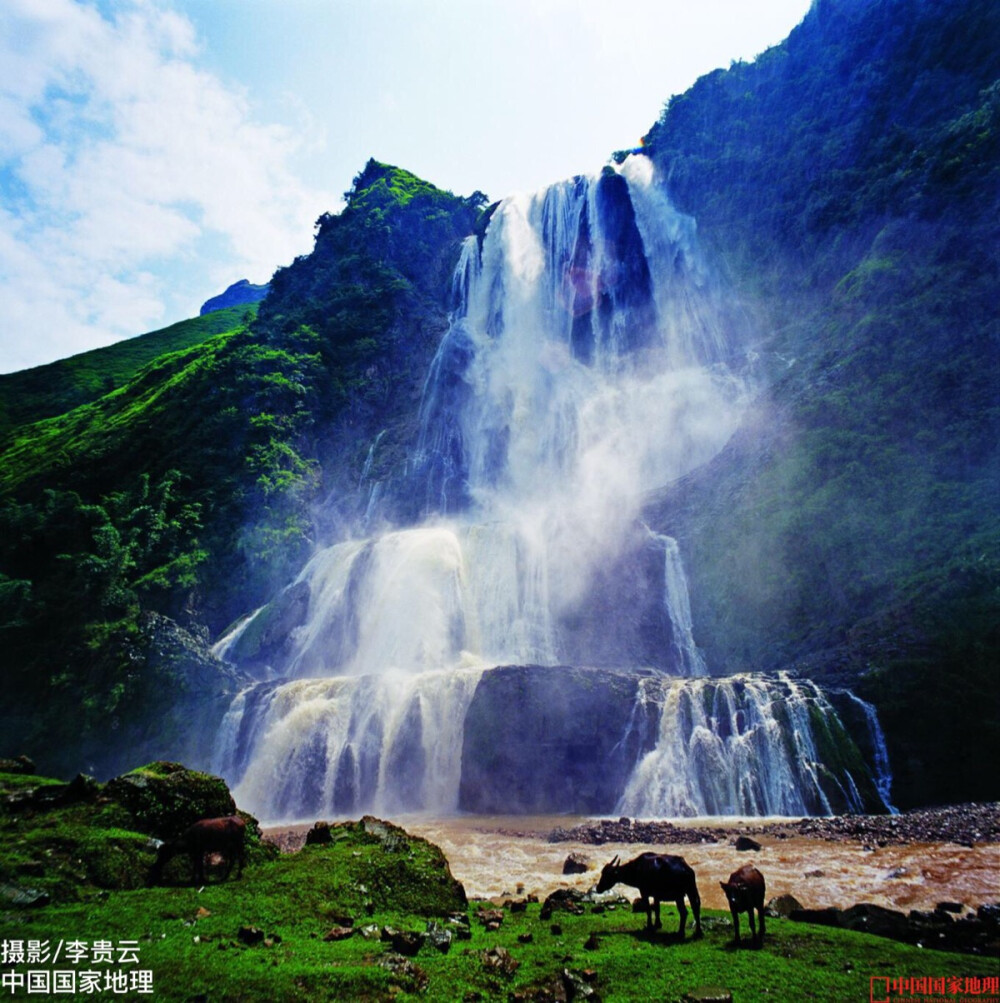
186 490
849 181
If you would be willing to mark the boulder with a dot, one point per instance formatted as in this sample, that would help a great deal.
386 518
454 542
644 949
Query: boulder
319 834
782 906
576 863
745 843
162 799
566 899
569 747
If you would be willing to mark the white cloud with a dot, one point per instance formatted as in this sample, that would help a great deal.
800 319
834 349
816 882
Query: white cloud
125 168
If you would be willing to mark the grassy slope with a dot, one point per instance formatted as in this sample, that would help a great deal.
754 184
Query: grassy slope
45 391
297 899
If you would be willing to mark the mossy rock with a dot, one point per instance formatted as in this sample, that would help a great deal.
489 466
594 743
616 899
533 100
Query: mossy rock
162 799
377 866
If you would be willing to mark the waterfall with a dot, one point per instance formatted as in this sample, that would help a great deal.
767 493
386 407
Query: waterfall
590 358
881 767
346 744
743 745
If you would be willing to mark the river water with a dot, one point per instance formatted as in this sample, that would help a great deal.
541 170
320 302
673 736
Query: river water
498 857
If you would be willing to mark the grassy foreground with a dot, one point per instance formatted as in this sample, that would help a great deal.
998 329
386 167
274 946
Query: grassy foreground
370 913
190 940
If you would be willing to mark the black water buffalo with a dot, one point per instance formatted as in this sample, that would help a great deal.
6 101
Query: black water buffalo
745 892
226 835
658 876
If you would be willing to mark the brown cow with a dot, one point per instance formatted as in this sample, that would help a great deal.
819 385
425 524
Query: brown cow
745 892
226 835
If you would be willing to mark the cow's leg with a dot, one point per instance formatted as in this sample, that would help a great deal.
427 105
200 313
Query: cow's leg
735 913
683 913
659 925
760 916
695 900
753 925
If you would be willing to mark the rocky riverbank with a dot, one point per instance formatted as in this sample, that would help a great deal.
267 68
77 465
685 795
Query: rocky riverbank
964 824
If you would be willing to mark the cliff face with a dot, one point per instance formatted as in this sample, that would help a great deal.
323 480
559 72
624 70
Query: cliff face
849 182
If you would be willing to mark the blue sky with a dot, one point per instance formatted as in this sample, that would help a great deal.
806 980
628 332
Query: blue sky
154 151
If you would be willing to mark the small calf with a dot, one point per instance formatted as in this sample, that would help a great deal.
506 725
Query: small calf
226 835
745 892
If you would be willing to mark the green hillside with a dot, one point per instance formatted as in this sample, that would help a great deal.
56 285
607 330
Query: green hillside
138 524
44 391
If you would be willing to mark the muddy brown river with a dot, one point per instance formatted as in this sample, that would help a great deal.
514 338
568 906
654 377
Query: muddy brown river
497 857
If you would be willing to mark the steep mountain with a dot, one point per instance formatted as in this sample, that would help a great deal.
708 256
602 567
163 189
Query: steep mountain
53 389
239 293
849 179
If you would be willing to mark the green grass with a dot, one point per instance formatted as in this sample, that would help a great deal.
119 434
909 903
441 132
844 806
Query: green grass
188 939
45 391
372 876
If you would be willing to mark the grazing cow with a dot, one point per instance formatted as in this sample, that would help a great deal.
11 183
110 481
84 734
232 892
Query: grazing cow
745 891
657 876
225 835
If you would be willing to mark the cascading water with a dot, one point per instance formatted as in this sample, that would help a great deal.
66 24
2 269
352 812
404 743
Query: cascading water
743 745
589 360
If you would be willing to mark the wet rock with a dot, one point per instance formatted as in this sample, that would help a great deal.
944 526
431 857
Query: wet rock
782 906
319 834
576 863
745 844
536 761
955 907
